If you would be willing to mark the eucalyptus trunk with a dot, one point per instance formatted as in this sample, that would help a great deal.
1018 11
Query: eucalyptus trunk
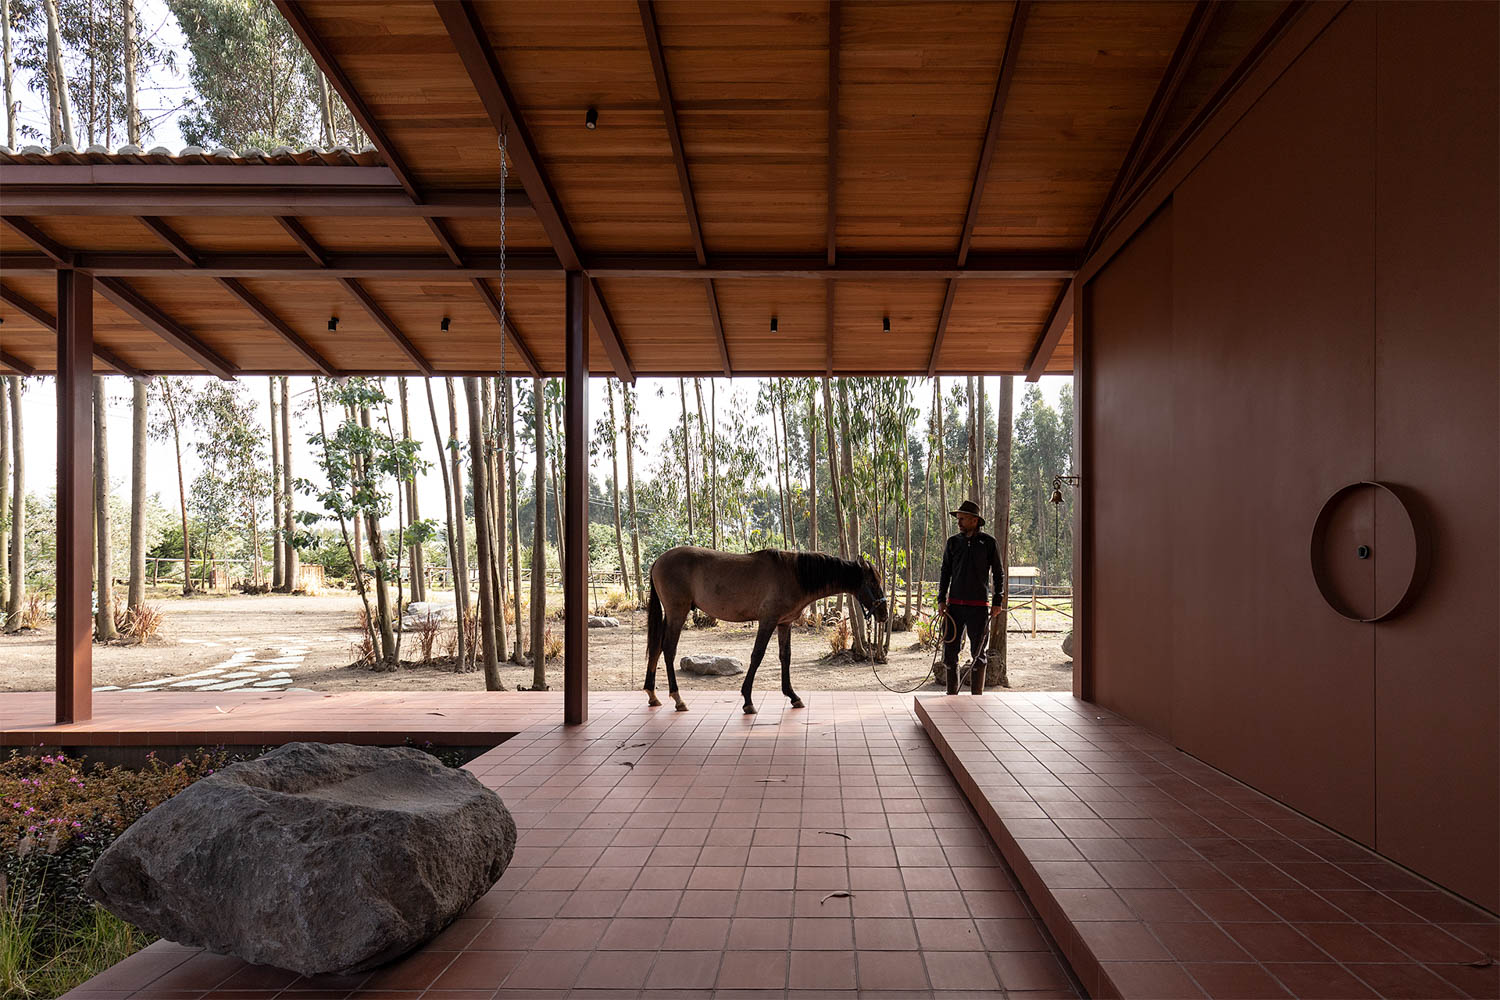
497 466
10 104
18 511
487 607
449 534
4 491
514 512
713 450
812 481
973 443
104 614
136 594
687 461
290 563
980 432
388 648
635 528
996 673
557 458
614 481
60 114
539 544
418 559
461 545
278 575
786 469
132 112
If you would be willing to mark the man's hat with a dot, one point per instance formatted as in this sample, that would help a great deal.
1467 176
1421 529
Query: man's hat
968 507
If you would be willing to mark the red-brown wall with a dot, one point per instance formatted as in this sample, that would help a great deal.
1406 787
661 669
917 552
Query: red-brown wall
1317 304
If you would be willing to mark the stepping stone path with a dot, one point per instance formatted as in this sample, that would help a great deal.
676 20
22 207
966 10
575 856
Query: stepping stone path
252 668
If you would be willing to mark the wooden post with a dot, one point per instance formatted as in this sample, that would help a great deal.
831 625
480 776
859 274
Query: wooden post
75 509
576 515
1033 612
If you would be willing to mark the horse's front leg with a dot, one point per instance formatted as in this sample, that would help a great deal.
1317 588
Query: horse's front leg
784 641
762 639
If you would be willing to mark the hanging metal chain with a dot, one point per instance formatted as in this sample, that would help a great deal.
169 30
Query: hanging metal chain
504 175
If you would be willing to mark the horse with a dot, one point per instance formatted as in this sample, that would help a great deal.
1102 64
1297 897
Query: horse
769 586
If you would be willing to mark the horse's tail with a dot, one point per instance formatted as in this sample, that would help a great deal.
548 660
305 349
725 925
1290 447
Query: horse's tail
656 621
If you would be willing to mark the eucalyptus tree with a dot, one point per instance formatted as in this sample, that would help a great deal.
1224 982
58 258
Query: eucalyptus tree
179 401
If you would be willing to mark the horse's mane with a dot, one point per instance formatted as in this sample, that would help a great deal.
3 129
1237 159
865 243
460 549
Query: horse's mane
817 571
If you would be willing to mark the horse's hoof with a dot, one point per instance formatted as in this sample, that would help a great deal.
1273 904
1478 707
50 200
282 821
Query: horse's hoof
749 709
797 703
655 702
681 706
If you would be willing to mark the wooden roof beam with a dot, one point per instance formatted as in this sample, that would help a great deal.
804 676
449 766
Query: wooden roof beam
46 319
384 321
303 239
184 250
139 308
492 301
669 116
713 312
340 83
992 131
446 241
835 27
79 198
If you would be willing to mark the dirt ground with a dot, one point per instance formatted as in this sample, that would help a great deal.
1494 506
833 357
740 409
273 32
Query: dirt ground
313 638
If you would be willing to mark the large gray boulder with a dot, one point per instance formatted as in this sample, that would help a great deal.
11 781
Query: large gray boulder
1067 645
712 666
314 858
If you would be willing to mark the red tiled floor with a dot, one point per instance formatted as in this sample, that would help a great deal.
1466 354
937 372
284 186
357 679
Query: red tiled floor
1165 878
711 869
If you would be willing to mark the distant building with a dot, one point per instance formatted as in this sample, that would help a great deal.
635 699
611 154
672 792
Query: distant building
1023 579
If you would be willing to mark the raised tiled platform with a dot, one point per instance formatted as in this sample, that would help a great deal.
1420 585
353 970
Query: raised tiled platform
1160 877
683 856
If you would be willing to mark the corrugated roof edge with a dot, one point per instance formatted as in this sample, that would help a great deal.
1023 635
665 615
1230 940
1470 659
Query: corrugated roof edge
339 156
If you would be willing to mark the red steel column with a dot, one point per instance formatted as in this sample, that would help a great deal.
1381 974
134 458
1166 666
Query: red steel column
576 506
75 509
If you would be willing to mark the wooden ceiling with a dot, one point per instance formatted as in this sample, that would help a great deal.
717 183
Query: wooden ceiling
945 165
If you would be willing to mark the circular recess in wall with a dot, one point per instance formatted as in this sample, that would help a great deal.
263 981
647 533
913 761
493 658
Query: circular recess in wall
1354 574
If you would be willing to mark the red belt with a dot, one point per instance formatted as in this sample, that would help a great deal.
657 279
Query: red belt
969 604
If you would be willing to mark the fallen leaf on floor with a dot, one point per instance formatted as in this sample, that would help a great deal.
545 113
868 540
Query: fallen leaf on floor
627 763
835 833
770 779
1483 963
841 894
224 711
437 713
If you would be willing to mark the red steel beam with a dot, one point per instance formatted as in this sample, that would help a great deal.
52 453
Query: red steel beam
171 238
387 324
46 319
992 131
669 116
446 241
59 254
254 200
492 301
15 364
942 328
1052 332
331 69
139 308
609 334
75 496
303 239
576 501
713 312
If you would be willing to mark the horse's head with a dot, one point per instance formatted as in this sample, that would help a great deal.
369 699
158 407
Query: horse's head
870 595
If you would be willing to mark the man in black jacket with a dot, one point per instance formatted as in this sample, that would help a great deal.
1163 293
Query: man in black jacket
969 559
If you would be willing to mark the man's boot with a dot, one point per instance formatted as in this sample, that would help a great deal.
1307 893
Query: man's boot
952 672
976 676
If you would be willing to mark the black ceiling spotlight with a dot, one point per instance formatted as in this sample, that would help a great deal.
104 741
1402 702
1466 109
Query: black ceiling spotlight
333 322
885 323
445 323
591 119
773 324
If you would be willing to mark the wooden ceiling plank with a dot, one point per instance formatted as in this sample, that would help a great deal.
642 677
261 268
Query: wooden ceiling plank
992 131
356 105
143 311
713 312
59 254
835 22
942 327
609 334
492 301
669 115
384 321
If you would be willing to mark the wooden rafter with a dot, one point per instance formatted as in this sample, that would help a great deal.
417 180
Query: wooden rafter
143 311
303 239
446 241
992 130
1052 332
492 301
609 334
384 321
189 255
713 313
15 364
